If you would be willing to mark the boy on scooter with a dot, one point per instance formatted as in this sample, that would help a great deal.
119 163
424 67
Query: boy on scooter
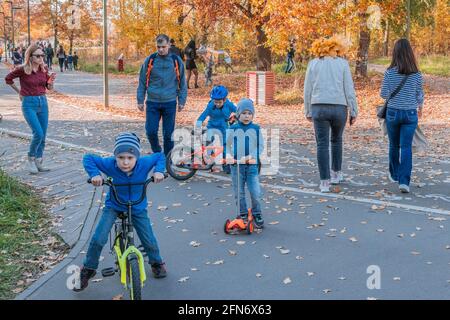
245 143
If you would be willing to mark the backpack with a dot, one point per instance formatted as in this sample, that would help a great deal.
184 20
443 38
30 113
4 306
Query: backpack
150 67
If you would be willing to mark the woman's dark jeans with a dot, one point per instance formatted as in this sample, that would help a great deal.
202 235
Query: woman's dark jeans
326 117
61 64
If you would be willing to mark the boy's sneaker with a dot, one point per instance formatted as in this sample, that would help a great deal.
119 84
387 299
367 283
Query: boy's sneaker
336 177
244 217
259 221
159 270
325 186
85 275
404 188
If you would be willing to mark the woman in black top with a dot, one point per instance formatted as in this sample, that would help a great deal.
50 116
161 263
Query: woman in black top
191 54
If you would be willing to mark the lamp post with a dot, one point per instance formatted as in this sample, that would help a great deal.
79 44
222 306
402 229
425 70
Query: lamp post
105 55
4 35
12 20
28 21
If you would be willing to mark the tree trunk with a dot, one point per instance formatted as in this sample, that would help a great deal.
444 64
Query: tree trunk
363 49
386 39
71 42
263 54
408 18
55 25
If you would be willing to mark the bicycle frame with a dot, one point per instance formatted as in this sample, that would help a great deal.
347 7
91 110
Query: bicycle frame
202 153
130 248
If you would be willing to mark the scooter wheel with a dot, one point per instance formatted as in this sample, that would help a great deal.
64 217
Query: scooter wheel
225 228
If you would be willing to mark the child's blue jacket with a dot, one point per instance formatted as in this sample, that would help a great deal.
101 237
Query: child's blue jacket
218 117
94 165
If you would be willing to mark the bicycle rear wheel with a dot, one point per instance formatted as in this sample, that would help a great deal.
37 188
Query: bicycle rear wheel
134 278
175 160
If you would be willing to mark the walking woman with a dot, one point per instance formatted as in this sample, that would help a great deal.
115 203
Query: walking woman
61 57
329 97
191 54
403 110
34 82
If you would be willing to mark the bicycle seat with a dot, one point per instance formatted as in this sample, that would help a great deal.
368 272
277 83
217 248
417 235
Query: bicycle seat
122 215
204 130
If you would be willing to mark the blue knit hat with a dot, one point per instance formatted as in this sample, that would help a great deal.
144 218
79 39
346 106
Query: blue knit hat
245 104
127 142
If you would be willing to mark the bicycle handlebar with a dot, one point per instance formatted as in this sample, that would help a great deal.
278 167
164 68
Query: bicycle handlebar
109 182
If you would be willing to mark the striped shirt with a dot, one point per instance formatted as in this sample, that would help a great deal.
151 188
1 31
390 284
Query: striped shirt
409 97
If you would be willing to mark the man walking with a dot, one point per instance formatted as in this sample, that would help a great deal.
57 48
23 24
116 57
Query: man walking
162 79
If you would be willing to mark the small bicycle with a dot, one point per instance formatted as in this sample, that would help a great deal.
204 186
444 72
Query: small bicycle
128 258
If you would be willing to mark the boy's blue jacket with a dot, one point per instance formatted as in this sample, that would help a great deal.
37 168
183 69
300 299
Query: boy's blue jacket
94 165
218 117
163 84
253 144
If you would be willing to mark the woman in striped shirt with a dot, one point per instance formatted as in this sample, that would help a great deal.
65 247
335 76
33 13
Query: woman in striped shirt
403 111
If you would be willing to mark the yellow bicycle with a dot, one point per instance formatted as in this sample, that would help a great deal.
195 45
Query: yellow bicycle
128 258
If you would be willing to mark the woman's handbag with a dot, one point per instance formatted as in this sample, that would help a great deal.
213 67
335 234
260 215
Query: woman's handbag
381 110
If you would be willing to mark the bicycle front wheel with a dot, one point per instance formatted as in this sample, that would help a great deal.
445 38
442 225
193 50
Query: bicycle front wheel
178 165
134 278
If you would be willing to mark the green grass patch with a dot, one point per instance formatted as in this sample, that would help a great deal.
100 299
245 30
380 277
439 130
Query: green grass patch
23 228
431 64
97 67
299 70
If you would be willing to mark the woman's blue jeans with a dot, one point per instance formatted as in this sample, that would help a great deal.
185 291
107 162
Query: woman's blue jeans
141 224
35 112
401 126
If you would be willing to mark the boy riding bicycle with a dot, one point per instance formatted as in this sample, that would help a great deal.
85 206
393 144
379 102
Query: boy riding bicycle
219 110
125 167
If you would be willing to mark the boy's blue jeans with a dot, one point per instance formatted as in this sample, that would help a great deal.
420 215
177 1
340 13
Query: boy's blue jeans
155 111
401 126
35 112
144 230
248 174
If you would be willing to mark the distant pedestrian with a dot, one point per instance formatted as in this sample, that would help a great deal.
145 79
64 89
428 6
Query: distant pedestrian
175 50
17 57
61 58
209 66
70 61
191 55
49 54
75 60
290 58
